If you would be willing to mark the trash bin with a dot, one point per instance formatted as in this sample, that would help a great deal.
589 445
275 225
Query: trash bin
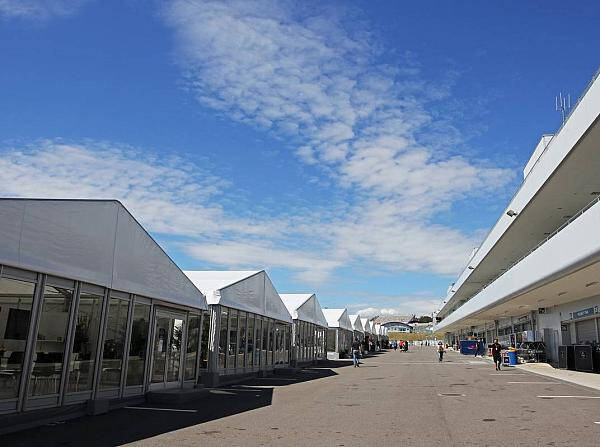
512 358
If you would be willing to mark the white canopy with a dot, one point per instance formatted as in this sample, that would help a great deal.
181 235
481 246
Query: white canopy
356 323
337 318
250 291
95 241
378 329
366 325
305 307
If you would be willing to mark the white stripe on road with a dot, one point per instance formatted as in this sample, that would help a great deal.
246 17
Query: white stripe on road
537 383
597 423
565 397
161 409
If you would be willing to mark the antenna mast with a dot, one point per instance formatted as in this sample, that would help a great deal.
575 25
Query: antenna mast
563 104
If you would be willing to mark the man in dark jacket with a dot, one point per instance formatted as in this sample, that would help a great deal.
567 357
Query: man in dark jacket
355 352
497 354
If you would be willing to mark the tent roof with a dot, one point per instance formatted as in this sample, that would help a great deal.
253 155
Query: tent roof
95 241
250 291
366 325
305 307
338 318
356 323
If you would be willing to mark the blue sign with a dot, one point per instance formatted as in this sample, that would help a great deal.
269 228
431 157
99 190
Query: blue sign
583 313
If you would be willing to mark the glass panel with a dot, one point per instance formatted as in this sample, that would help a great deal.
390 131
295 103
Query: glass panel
250 354
258 340
174 355
223 337
85 343
278 343
271 343
242 340
233 332
265 325
159 355
138 345
204 341
114 342
331 340
50 343
191 351
16 299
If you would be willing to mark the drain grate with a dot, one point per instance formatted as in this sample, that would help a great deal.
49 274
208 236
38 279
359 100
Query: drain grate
452 394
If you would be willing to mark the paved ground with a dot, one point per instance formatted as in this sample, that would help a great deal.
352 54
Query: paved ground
394 399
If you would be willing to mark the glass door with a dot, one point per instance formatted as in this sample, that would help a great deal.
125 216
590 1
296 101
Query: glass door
166 350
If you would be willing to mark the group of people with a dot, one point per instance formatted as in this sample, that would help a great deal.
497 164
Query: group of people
402 344
496 349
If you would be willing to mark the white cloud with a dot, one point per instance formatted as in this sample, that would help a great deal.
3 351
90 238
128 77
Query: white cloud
406 306
169 196
39 9
301 73
305 76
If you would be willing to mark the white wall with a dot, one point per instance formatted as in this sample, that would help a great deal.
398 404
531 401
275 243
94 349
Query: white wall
577 243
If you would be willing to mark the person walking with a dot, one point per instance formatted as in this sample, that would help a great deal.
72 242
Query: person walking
395 345
441 351
497 354
477 347
355 352
405 347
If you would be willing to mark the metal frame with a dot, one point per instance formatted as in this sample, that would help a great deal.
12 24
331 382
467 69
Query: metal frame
51 400
172 314
78 396
110 392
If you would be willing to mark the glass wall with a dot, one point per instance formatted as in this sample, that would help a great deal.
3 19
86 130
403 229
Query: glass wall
223 337
331 337
271 345
233 333
204 340
16 300
49 349
114 341
265 344
241 340
138 345
288 343
250 341
191 351
174 353
258 340
85 343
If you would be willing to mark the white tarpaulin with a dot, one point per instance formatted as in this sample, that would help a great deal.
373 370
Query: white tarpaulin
356 323
250 291
96 241
337 318
305 307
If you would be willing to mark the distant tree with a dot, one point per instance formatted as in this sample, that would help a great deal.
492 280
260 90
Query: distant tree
425 319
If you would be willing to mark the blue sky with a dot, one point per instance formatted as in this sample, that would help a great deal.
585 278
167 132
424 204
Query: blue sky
356 149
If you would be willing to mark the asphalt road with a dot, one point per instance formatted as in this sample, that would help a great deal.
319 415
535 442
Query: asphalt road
393 399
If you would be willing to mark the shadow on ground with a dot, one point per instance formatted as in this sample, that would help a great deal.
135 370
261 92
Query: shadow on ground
128 425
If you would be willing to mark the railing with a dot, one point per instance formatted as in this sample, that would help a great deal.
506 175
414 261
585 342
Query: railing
550 236
587 88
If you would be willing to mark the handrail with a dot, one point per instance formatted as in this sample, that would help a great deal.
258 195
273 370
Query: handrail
579 99
550 236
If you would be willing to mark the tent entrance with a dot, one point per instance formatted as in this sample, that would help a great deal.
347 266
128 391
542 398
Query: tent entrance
169 333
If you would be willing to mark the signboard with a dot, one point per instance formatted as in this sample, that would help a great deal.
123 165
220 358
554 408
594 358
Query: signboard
583 313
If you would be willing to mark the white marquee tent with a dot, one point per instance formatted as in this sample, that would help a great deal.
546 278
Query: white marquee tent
310 326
